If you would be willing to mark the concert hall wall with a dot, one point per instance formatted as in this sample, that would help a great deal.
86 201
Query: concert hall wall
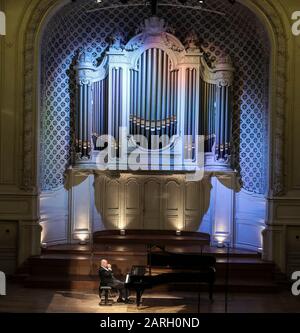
36 108
74 27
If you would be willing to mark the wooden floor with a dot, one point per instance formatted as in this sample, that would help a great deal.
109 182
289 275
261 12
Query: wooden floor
20 299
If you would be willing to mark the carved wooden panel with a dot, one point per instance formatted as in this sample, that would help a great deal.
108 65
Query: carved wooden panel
193 207
99 188
192 196
9 235
112 196
152 204
133 207
8 246
173 205
112 204
81 198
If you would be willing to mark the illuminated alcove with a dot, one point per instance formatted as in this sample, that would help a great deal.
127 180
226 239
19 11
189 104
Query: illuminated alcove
237 34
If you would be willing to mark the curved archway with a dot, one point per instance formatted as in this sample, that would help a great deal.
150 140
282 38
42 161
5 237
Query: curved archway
265 11
272 21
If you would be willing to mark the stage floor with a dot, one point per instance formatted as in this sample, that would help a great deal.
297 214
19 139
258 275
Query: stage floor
20 299
74 267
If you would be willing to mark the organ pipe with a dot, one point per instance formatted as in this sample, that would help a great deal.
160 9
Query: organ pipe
223 122
84 120
116 104
167 89
191 110
154 99
207 119
100 108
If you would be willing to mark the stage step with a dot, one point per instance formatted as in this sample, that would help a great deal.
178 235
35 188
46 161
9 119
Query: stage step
92 283
241 285
64 265
60 265
74 267
79 260
71 282
88 250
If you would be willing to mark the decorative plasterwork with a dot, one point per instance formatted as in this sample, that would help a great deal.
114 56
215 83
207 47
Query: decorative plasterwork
87 71
30 94
221 74
277 181
250 49
29 181
154 35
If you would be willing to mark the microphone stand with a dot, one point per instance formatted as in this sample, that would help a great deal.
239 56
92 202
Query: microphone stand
199 298
227 275
149 253
92 254
199 285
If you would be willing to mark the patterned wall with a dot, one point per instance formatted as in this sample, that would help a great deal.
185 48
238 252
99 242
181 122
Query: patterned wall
238 34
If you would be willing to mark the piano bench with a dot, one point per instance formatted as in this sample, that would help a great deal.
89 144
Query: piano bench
106 292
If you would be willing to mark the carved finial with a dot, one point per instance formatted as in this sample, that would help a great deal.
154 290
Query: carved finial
118 40
224 59
154 26
84 56
192 41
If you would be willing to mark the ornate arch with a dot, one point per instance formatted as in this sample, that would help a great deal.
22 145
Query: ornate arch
273 21
45 8
41 12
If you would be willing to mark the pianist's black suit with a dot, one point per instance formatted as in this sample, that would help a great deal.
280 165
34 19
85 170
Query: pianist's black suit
107 279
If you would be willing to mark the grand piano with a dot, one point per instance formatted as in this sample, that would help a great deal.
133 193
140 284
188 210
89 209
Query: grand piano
166 267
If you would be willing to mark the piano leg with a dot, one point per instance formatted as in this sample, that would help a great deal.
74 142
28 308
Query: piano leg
139 293
211 288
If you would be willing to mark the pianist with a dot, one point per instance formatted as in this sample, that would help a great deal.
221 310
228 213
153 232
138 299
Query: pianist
107 279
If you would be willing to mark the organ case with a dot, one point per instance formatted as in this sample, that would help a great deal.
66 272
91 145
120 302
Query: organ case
163 93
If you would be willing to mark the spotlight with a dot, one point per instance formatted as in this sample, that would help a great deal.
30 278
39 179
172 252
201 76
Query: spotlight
220 240
83 239
220 245
178 232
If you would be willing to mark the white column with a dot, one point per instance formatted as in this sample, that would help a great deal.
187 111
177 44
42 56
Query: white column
223 209
250 220
81 206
